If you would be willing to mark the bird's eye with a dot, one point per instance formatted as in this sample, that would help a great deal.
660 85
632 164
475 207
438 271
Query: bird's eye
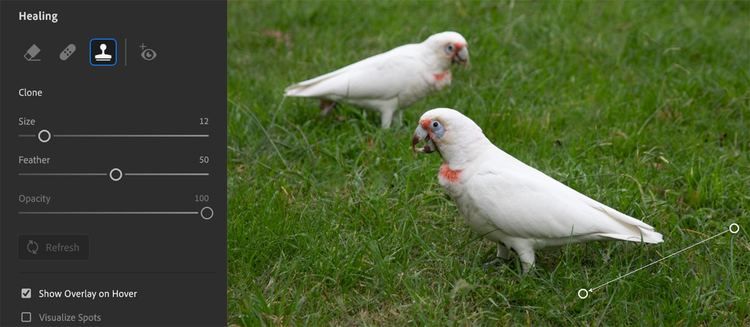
437 130
449 48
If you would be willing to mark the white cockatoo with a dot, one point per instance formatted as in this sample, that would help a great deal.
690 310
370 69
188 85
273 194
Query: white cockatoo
510 203
391 80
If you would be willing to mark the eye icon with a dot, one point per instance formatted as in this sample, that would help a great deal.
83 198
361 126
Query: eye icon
148 54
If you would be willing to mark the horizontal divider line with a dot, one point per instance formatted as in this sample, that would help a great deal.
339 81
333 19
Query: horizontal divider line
116 272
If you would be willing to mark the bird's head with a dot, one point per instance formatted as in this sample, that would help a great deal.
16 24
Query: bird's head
448 132
450 46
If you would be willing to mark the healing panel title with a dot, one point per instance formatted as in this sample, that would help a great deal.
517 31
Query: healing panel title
41 15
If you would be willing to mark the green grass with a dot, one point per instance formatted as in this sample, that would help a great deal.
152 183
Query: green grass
644 106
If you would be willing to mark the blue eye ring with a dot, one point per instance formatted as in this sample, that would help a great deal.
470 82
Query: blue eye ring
450 48
437 130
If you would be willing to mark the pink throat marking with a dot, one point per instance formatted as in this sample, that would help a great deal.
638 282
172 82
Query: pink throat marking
447 173
441 76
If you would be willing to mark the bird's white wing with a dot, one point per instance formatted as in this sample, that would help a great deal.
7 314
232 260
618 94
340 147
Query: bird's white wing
524 202
379 77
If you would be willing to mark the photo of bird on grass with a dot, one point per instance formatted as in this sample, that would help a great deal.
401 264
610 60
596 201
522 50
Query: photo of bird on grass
510 203
389 81
596 146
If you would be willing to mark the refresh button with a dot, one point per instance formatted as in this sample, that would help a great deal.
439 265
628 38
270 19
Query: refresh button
146 53
32 247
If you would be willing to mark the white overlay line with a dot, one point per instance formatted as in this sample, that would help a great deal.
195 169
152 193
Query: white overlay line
655 262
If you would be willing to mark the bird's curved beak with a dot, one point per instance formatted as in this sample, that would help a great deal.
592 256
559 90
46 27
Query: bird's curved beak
421 135
462 56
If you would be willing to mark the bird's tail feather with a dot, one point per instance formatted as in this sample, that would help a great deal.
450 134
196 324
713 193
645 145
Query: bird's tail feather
647 236
294 90
639 228
308 88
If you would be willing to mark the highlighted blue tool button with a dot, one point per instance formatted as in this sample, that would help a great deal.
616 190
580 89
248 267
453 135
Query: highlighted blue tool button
103 52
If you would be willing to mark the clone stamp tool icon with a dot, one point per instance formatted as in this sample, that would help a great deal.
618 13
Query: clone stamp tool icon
102 52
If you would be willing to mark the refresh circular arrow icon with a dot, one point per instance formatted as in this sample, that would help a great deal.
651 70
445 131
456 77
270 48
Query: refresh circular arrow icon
32 247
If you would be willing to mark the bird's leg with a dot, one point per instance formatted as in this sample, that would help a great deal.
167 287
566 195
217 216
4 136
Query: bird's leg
326 106
398 118
527 259
386 116
502 253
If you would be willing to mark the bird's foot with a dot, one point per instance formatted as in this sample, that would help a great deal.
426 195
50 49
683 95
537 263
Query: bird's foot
326 106
494 262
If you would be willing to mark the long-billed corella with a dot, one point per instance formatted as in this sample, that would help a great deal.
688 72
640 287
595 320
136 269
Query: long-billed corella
511 203
391 80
